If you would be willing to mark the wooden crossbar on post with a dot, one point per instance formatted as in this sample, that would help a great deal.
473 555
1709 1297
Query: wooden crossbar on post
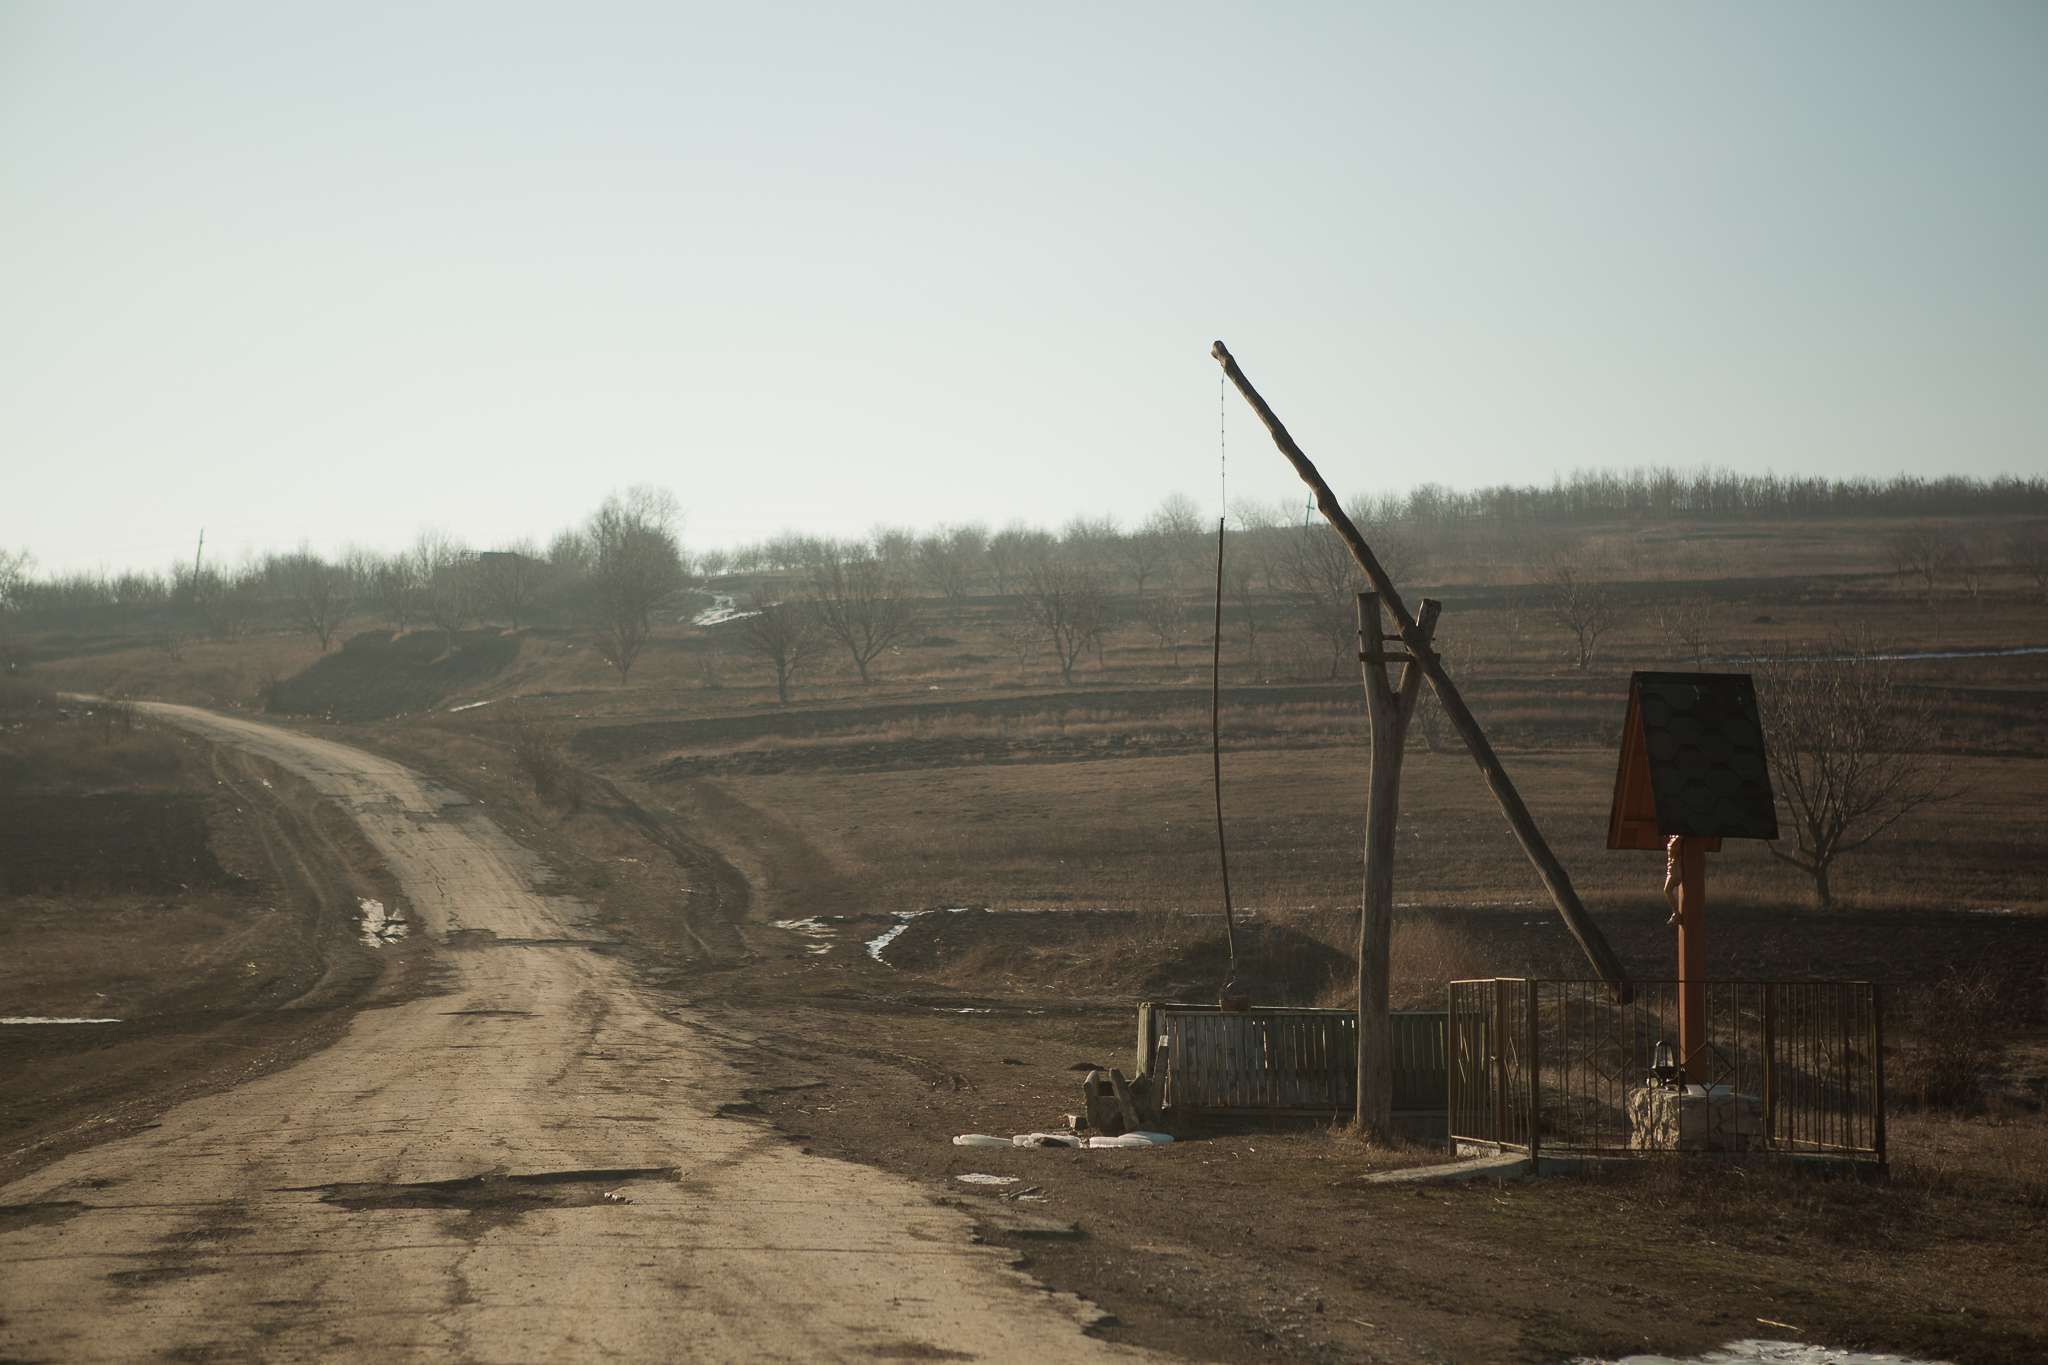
1555 879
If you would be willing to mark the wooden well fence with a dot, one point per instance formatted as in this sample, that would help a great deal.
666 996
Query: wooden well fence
1280 1060
1549 1066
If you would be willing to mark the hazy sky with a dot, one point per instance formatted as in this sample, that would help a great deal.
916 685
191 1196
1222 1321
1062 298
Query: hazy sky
339 271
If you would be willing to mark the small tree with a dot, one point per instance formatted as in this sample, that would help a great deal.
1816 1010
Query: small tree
1465 663
319 595
1070 607
1013 549
509 581
445 570
394 588
1686 623
1188 535
1847 754
2027 548
784 635
636 564
1166 615
14 571
1143 555
948 558
1923 553
862 605
1581 601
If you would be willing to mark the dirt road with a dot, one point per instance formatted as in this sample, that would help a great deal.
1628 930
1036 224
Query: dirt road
530 1165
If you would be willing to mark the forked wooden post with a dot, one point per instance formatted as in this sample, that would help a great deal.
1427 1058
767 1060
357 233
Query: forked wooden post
1388 709
1555 879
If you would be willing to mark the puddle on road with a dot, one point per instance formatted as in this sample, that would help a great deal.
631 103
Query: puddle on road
46 1019
494 1197
381 926
1757 1351
14 1217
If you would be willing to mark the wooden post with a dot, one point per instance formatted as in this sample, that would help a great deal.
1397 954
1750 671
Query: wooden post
1693 1050
1555 879
1388 710
1877 1066
1500 1060
1530 1063
1770 1064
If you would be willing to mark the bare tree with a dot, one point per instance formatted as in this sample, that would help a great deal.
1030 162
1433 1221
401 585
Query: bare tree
1925 553
1975 558
1011 549
1686 623
1069 606
1581 600
15 567
395 590
862 605
1319 573
1847 749
1143 555
318 594
1166 615
509 580
1188 536
1464 661
948 558
636 565
2027 548
895 547
784 635
445 570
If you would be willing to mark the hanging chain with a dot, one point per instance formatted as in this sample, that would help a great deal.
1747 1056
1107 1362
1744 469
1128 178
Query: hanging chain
1222 452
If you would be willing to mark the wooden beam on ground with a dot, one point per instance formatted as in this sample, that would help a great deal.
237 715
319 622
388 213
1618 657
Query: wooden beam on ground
1555 879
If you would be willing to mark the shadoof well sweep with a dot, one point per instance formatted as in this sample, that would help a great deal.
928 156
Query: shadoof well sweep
1594 1067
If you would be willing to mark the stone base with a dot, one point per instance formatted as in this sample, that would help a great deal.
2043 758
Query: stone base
1698 1118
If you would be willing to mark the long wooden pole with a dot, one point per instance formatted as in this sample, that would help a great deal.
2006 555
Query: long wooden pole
1559 883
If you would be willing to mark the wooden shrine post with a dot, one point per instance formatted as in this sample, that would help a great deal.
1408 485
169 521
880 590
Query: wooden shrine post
1388 708
1691 772
1690 857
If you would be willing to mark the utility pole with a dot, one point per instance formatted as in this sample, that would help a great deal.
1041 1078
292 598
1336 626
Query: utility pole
196 556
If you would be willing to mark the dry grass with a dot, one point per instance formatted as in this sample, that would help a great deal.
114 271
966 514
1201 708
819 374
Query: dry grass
2001 1157
1139 833
541 756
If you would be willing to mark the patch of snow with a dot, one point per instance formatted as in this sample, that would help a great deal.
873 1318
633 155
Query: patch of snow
1757 1351
977 1178
1045 1140
891 934
1135 1140
471 705
981 1140
721 610
381 926
810 927
46 1019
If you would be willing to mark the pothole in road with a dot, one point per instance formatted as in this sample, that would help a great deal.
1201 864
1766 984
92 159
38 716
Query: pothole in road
493 1197
16 1216
486 938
